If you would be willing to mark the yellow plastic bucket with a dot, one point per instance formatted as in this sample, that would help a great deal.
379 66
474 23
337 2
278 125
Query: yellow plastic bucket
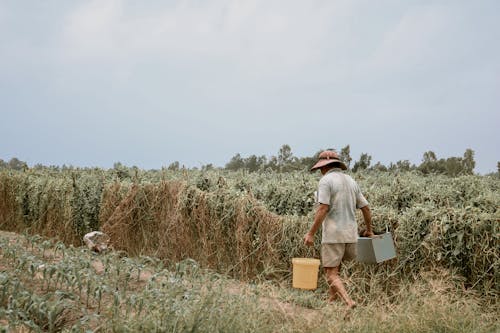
305 273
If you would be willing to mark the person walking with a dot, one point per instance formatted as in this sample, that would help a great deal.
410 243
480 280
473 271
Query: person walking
338 196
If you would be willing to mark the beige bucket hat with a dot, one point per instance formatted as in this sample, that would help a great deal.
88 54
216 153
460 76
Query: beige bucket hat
327 157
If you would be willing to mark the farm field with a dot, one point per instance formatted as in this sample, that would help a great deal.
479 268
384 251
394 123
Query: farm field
211 251
47 286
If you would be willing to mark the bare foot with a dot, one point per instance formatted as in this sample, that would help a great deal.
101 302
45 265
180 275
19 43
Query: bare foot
333 298
348 312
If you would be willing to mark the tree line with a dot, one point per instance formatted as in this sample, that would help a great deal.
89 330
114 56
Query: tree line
286 161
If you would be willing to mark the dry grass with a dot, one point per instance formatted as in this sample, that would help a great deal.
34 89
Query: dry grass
224 226
170 220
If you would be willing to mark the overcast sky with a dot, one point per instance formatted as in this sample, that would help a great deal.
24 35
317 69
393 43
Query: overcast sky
146 83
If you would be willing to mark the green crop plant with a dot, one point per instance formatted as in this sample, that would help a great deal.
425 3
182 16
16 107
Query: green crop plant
187 297
249 225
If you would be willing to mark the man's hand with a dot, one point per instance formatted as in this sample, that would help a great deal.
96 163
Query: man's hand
309 239
368 233
320 215
367 216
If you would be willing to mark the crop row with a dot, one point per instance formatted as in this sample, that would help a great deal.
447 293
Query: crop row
251 225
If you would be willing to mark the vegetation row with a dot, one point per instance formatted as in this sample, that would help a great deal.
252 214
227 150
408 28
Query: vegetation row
250 225
46 286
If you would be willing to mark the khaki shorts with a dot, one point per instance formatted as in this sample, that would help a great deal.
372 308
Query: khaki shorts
333 254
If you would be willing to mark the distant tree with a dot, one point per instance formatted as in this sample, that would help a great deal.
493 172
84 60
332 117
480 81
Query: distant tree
283 162
363 163
207 167
3 164
345 155
468 162
122 172
285 156
261 162
402 165
430 163
498 167
429 156
254 163
16 164
235 163
272 163
454 166
379 167
39 166
451 166
71 168
174 166
305 163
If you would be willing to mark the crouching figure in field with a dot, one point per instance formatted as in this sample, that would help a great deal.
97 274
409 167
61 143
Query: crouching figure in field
97 241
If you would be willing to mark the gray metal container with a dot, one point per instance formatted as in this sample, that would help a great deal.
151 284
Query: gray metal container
377 249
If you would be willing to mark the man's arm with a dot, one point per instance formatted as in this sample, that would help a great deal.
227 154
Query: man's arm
367 216
320 215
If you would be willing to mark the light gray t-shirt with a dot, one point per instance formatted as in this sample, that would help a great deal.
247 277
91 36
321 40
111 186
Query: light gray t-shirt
343 195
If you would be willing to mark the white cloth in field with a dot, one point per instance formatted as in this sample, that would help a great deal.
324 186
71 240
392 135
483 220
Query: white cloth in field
344 196
96 241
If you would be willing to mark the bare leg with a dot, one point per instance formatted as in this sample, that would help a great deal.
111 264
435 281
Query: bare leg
333 296
332 291
337 287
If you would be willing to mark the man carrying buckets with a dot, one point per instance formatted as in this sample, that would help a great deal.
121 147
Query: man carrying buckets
338 196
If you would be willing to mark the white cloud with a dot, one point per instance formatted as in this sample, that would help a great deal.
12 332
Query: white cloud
231 67
414 42
260 37
91 29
